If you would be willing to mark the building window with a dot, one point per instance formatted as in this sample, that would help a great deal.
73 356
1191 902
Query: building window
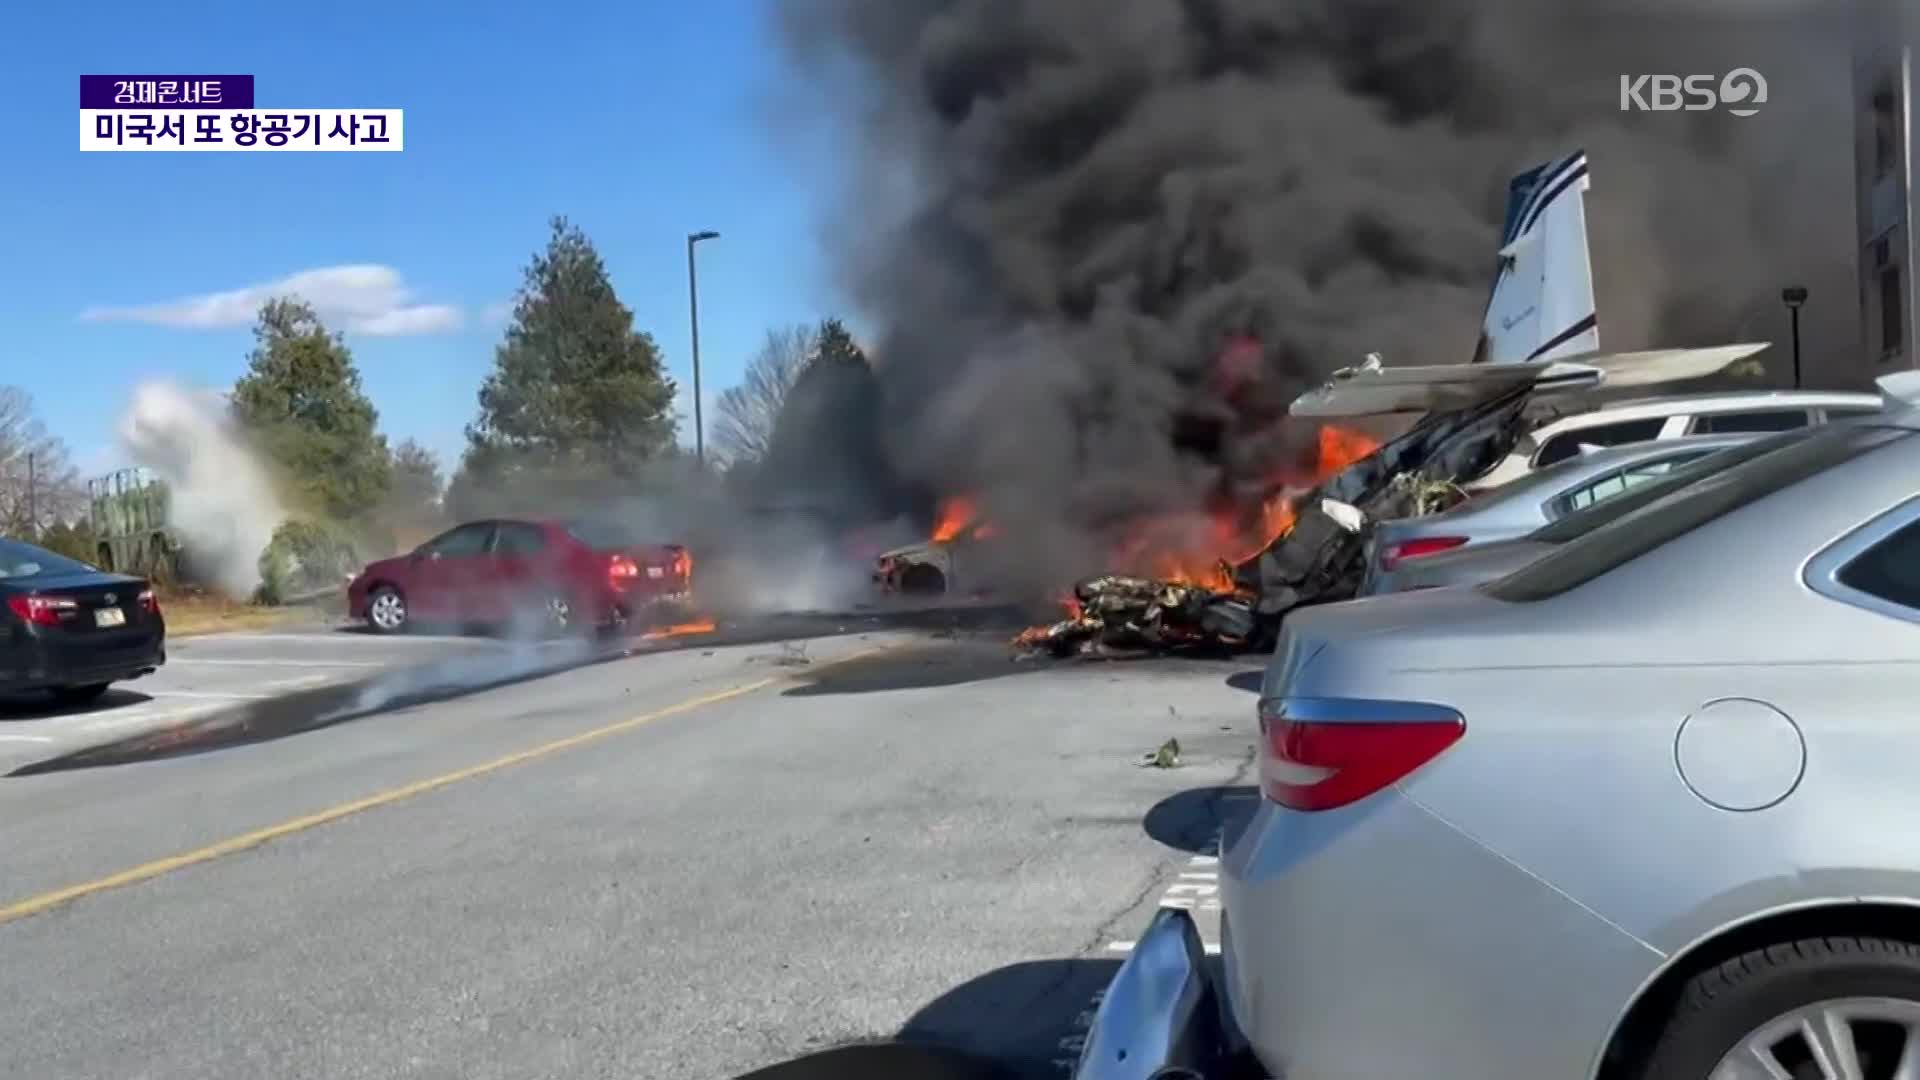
1892 313
1885 151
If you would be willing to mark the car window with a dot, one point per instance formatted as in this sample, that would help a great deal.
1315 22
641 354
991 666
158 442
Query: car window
1677 512
20 560
1760 420
1610 484
602 534
1620 481
1567 444
519 538
465 540
1585 520
1889 569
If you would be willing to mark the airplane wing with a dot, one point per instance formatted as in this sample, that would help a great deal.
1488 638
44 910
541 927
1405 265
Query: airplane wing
1371 390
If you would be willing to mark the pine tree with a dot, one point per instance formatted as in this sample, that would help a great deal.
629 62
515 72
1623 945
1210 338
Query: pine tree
301 401
825 445
416 476
835 347
576 391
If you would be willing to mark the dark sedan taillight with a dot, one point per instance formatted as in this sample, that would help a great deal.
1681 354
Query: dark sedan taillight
44 610
1324 753
149 603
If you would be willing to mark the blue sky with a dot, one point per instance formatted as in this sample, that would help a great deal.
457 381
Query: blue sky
641 121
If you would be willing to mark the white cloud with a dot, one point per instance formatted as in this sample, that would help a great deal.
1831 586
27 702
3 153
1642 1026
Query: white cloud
497 314
367 299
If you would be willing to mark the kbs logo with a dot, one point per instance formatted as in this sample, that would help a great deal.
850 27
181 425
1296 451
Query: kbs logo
1741 92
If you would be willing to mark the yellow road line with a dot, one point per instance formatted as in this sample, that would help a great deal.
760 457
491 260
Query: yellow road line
148 871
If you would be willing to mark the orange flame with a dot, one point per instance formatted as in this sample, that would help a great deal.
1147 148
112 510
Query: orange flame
699 626
1202 549
1341 447
955 515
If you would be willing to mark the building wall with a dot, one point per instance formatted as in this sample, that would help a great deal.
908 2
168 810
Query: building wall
1883 193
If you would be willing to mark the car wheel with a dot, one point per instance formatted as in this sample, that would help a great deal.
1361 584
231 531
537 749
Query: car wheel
1817 1008
387 610
79 695
558 614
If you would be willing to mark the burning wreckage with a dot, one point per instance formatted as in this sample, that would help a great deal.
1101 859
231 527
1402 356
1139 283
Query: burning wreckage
1539 340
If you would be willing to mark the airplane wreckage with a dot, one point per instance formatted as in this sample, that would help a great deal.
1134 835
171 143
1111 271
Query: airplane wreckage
1539 341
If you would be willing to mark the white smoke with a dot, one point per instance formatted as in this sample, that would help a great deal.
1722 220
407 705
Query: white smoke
223 502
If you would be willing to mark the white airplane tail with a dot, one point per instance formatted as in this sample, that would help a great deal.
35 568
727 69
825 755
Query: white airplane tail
1542 305
1541 329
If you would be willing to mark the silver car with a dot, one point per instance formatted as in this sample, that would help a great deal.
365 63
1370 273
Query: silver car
1642 810
1515 509
1496 558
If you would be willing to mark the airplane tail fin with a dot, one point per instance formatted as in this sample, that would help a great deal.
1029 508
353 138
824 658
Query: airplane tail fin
1542 307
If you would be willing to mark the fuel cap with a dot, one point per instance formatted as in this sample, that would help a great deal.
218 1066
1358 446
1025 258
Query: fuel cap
1740 754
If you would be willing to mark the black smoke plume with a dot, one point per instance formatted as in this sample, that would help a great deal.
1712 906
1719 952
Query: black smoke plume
1059 214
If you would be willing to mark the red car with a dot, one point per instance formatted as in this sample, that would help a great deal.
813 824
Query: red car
556 575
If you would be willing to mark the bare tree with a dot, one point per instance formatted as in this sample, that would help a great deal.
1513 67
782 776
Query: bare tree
39 485
745 415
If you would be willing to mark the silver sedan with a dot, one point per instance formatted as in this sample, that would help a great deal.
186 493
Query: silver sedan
1514 509
1641 810
1490 559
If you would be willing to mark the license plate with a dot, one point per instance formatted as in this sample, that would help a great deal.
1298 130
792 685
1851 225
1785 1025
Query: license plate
109 616
656 572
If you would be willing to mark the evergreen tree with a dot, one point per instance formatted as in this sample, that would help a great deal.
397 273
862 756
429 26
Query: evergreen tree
416 476
301 401
577 396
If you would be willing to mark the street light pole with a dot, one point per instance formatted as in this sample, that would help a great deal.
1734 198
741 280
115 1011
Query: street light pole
1794 296
693 310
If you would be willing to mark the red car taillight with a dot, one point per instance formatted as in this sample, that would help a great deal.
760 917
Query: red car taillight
1323 753
1394 554
149 603
621 570
43 610
682 564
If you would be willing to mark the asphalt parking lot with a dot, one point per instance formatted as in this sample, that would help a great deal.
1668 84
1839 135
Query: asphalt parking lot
697 860
206 674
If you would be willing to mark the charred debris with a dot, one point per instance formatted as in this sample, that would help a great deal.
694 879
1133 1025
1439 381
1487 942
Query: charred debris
1320 559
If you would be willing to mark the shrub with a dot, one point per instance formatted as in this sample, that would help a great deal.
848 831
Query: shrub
305 557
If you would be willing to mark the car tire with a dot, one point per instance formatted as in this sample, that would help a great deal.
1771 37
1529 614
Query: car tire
1760 1004
79 695
387 611
559 615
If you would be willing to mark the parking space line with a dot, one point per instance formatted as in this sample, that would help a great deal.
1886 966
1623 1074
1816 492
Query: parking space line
1195 889
176 661
381 641
208 695
1212 948
296 682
